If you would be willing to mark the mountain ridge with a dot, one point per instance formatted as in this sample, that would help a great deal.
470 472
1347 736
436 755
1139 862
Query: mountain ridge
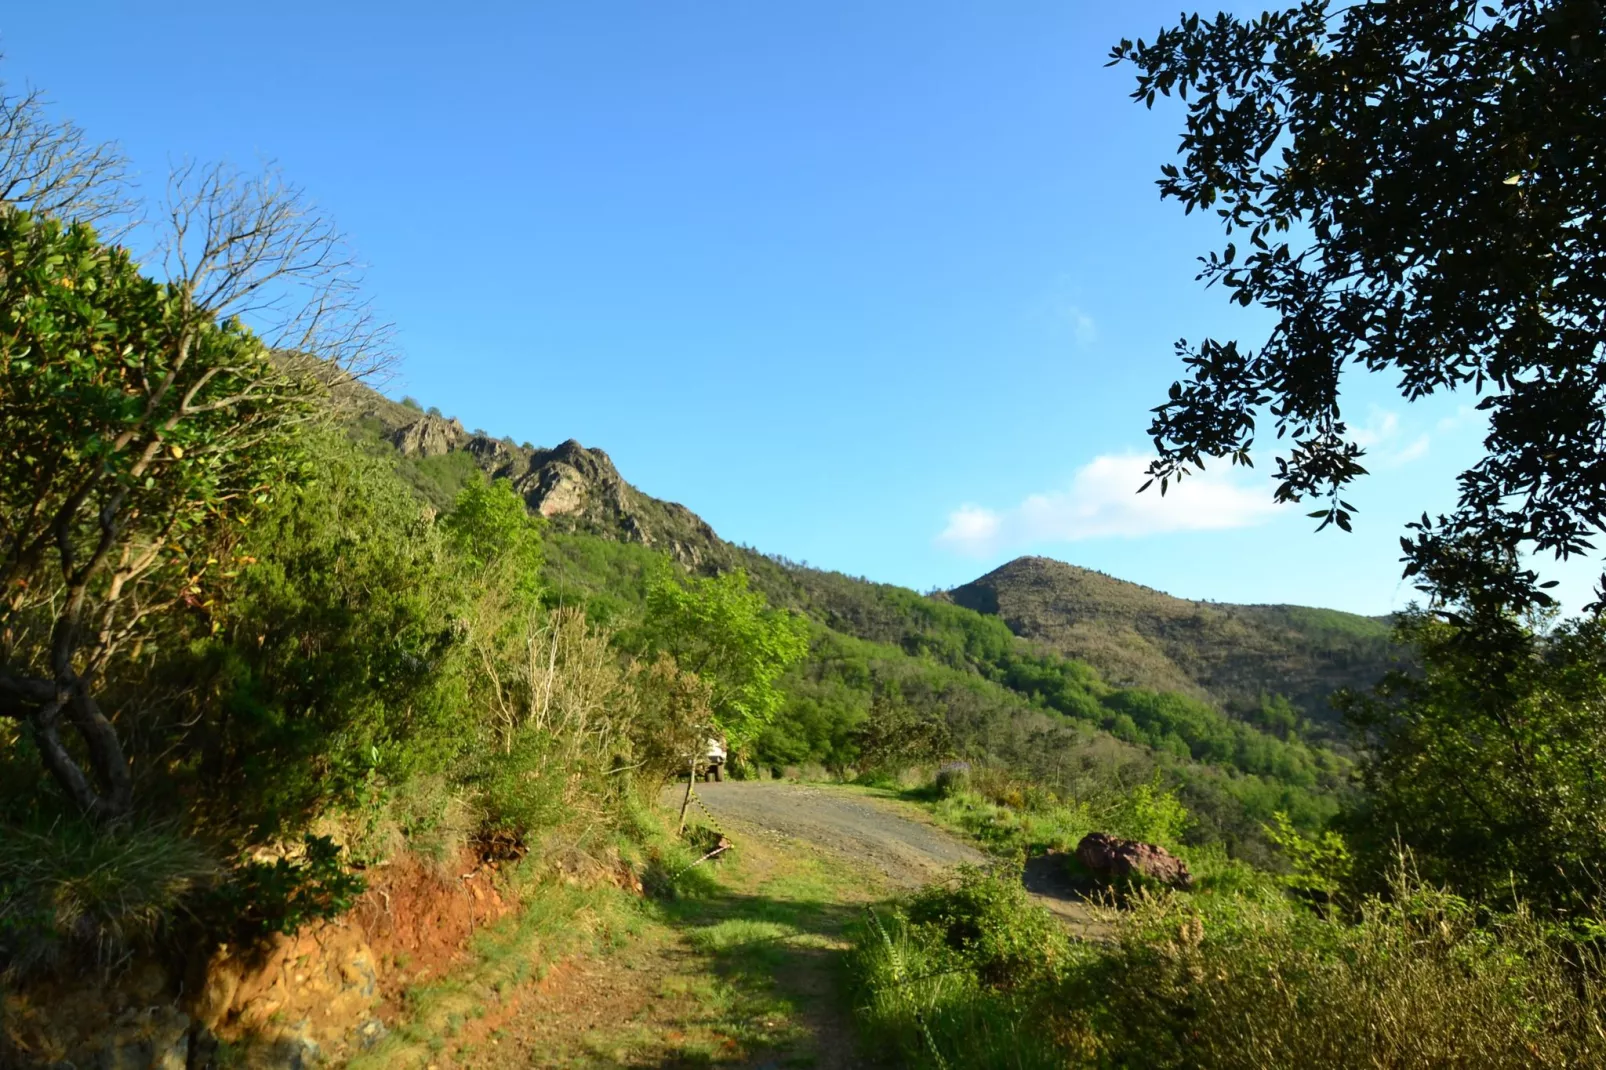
1232 656
576 488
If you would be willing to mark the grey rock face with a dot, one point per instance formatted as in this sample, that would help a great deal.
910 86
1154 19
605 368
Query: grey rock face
577 488
428 436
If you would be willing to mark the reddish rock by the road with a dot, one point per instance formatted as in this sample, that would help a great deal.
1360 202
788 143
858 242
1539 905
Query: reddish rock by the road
1109 856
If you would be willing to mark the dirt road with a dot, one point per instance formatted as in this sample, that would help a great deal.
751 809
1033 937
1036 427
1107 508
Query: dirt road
875 834
892 839
747 974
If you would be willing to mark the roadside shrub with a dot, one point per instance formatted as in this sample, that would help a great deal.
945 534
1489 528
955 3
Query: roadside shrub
1414 981
329 657
1243 981
988 924
952 778
1486 763
260 898
520 791
959 976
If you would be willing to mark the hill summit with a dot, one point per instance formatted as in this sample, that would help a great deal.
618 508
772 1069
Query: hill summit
1137 636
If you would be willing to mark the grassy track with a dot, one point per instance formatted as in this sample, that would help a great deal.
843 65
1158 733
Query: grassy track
743 968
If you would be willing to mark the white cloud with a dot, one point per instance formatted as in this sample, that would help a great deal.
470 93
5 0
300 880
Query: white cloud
1082 326
1102 502
1464 415
1378 429
1418 448
1380 437
971 525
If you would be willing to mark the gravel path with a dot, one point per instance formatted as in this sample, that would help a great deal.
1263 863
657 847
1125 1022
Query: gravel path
909 852
892 839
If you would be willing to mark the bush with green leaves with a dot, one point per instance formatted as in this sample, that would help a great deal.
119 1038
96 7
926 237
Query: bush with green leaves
988 925
729 636
960 973
1420 979
331 657
260 898
137 426
977 976
1487 765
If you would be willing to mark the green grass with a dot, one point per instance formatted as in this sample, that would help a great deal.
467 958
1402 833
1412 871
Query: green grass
555 921
75 890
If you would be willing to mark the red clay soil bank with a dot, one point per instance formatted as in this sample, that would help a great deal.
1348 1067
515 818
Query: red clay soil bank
322 994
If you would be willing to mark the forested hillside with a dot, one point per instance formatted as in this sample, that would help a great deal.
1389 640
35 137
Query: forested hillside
893 677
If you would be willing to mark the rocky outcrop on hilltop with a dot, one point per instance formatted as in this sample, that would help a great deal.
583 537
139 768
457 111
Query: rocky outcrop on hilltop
576 488
428 436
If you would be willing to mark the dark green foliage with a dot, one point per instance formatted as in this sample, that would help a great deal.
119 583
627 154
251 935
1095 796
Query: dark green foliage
609 579
261 898
1411 188
895 736
439 480
988 924
1488 765
518 792
933 631
325 668
1189 728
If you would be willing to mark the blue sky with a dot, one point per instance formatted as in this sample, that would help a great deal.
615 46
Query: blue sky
885 287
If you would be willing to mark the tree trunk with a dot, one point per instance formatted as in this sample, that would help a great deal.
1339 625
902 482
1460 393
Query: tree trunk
113 798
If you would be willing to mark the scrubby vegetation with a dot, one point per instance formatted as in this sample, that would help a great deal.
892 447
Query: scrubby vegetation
245 659
976 975
250 652
1335 961
354 668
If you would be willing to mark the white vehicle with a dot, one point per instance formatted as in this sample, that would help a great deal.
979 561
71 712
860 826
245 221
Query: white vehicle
714 757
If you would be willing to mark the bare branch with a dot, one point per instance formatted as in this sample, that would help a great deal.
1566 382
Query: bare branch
255 248
51 167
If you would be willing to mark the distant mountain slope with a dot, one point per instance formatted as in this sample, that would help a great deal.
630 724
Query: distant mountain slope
1137 636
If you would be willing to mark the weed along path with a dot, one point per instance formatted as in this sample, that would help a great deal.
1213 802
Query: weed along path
743 969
